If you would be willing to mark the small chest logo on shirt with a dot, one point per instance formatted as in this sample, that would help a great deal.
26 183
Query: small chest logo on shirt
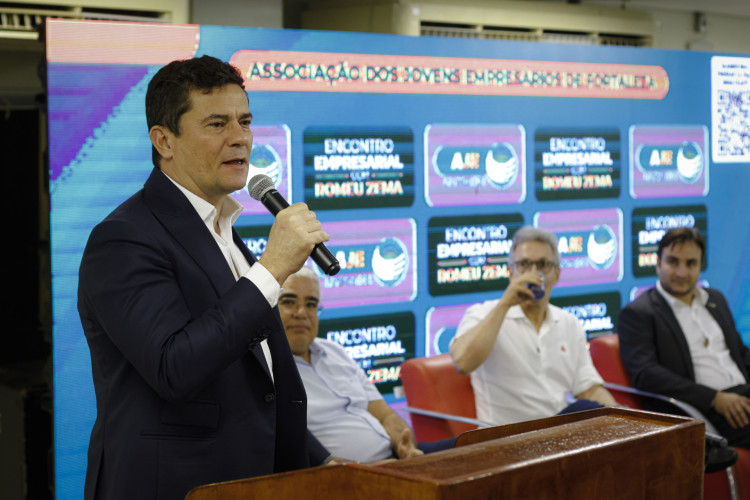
562 348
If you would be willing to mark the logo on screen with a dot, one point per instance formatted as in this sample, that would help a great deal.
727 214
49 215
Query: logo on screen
265 160
689 162
602 247
498 164
671 162
501 165
390 262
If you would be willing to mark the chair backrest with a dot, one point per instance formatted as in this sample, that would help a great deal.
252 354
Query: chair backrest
605 353
434 384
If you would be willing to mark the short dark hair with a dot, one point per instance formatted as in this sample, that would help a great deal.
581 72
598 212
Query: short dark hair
679 235
168 94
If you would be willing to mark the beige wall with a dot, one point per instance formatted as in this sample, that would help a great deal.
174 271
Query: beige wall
256 13
21 59
724 33
671 29
176 11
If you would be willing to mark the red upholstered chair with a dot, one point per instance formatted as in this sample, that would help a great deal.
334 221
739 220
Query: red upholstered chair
441 400
605 353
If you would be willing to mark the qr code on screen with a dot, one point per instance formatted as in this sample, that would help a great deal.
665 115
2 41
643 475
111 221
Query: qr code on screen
732 132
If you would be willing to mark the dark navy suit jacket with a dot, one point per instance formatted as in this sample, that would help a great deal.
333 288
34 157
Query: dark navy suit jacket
183 392
655 350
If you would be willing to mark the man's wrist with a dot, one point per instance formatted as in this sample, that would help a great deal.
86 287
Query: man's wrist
265 282
331 460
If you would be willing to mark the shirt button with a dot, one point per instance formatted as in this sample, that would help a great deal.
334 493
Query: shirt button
270 397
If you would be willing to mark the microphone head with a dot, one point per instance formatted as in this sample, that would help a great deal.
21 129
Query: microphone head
259 185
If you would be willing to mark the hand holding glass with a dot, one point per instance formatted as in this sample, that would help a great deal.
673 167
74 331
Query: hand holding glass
537 290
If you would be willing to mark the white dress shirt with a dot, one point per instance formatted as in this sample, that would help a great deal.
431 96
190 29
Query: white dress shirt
257 274
338 394
713 365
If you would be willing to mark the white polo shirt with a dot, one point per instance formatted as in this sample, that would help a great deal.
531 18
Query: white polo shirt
528 373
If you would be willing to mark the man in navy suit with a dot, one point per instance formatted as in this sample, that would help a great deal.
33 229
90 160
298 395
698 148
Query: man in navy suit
195 382
679 340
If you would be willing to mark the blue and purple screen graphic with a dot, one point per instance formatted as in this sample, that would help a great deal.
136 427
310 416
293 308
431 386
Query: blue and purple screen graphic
421 156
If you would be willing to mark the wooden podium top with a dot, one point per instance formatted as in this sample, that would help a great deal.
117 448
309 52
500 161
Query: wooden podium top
608 453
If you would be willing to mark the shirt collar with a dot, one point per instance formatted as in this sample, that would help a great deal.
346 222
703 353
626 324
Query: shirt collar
230 207
673 301
315 352
315 348
516 312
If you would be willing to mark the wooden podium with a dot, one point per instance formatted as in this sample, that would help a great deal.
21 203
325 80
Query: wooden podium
609 453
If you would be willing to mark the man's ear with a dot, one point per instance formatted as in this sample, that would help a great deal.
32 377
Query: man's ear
161 138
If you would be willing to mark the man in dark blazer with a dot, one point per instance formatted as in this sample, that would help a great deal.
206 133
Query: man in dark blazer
195 382
680 340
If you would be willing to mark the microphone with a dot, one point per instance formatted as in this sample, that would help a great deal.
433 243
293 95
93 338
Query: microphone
261 188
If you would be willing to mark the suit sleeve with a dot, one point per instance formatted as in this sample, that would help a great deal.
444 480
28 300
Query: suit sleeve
132 292
317 452
637 329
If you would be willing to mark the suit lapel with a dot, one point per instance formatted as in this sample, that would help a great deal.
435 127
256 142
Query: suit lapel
664 311
717 313
180 219
712 308
258 353
243 248
258 349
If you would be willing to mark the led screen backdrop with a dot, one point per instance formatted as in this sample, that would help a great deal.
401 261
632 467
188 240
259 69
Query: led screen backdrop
422 156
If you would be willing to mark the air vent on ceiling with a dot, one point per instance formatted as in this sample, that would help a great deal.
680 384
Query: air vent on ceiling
24 21
530 35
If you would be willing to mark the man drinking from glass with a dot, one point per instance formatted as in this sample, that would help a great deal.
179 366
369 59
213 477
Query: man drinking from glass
526 356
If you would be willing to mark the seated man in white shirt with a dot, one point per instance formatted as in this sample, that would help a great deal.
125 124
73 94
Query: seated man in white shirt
345 411
524 354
